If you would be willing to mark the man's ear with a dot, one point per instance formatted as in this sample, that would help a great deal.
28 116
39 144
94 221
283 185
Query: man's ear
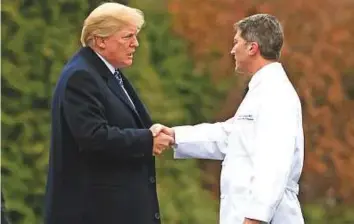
253 48
100 42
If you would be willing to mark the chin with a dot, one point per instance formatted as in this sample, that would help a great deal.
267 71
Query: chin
239 71
127 63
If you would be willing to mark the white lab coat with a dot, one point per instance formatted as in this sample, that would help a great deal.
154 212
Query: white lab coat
262 148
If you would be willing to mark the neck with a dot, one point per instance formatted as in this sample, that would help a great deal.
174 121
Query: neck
258 64
102 54
98 51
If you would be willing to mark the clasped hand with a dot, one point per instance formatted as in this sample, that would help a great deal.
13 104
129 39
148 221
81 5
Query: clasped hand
163 136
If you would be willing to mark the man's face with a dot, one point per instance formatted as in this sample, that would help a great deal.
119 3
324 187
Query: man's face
240 51
119 48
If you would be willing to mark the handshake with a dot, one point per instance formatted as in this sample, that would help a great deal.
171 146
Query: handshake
164 137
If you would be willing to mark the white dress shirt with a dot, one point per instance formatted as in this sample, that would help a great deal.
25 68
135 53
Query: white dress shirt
262 148
109 66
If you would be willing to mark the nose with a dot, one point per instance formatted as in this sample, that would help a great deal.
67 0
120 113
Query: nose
135 42
232 51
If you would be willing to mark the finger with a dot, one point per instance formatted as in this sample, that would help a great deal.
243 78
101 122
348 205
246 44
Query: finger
164 139
159 148
170 140
166 130
155 152
156 129
159 151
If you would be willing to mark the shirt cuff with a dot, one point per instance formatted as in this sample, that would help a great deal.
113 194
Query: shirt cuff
179 134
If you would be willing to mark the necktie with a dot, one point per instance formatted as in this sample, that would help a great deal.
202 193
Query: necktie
118 77
245 92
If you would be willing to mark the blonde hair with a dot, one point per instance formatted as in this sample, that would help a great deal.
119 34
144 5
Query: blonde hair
107 19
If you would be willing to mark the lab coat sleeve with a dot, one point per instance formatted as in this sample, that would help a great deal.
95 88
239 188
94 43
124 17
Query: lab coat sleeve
274 151
202 141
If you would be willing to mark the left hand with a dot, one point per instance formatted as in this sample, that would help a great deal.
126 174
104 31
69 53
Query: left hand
251 221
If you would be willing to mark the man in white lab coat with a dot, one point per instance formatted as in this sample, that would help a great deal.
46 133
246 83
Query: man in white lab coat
262 145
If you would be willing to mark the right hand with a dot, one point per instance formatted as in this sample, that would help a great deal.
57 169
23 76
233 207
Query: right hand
161 143
159 128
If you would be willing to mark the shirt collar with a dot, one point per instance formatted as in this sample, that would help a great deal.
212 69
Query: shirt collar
109 66
266 72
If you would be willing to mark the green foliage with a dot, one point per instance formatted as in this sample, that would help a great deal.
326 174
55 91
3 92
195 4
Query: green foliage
316 213
38 37
164 68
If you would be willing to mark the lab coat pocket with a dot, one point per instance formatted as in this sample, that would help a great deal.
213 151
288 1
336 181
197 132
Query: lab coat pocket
235 175
240 141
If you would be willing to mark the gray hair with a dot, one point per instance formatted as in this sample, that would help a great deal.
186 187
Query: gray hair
264 29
